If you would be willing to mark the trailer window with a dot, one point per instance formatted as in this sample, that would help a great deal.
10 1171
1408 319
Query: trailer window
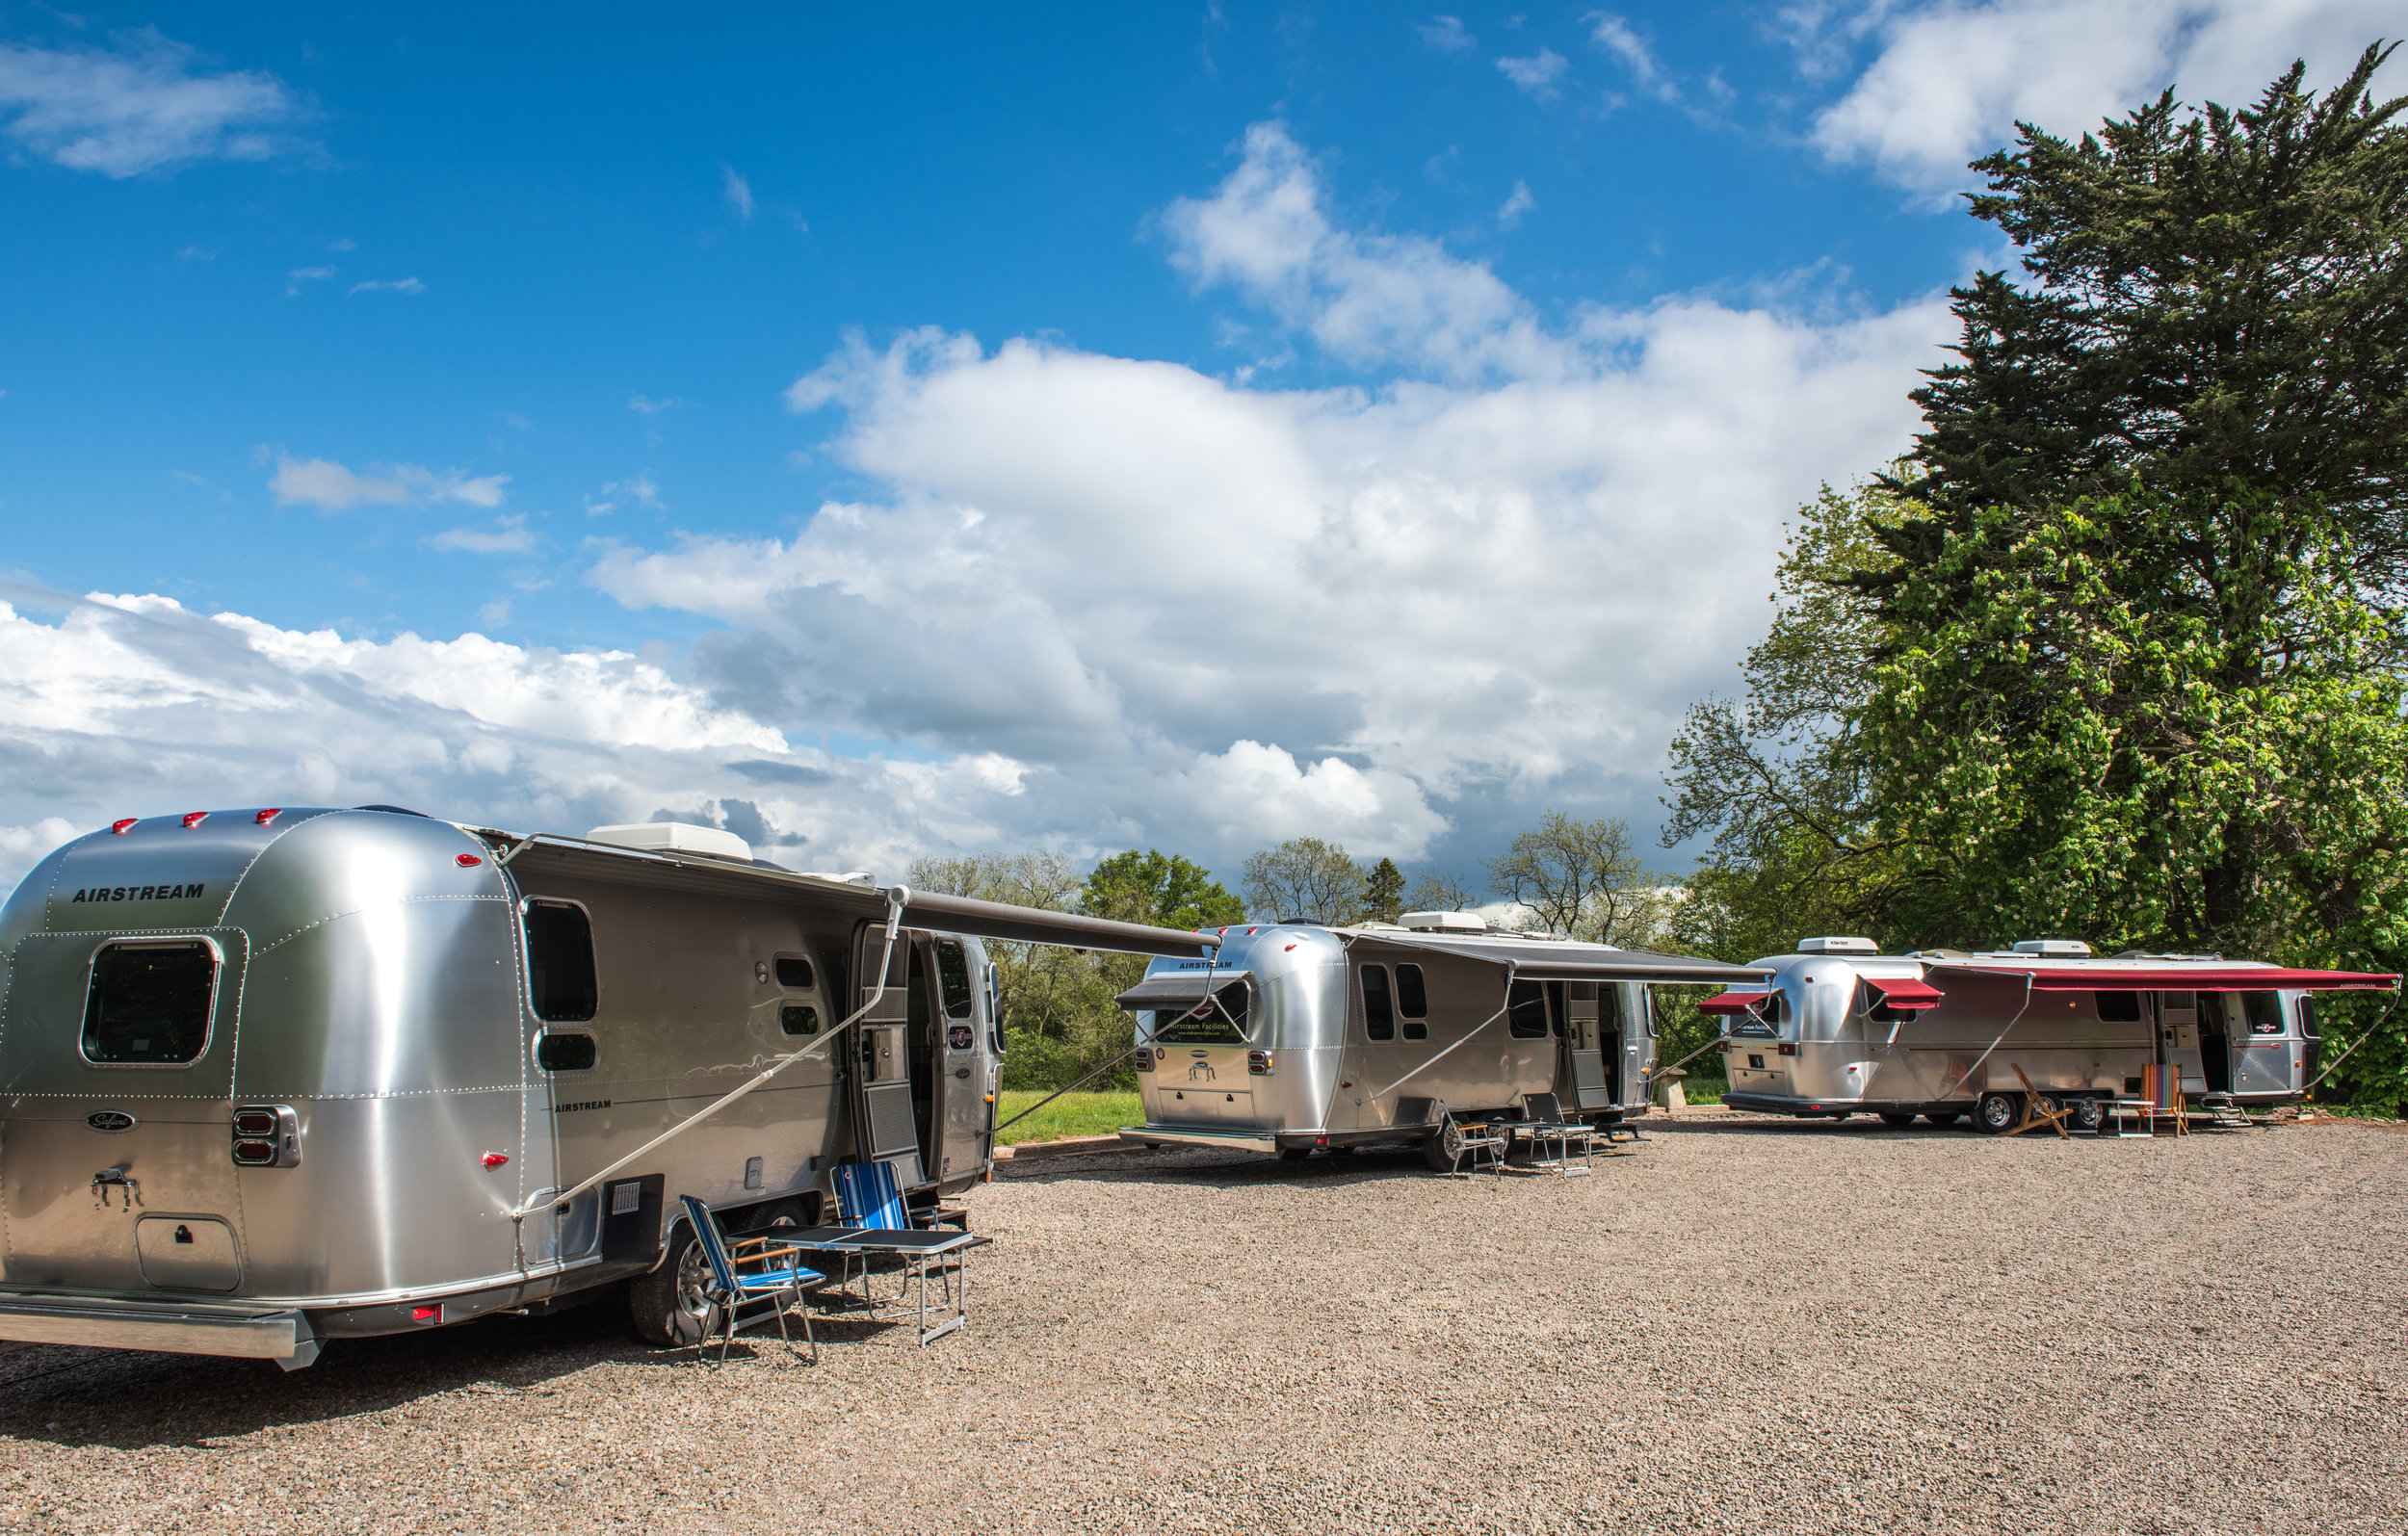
953 978
560 961
1220 1022
1413 1002
572 1052
794 973
2118 1007
799 1019
1379 1016
148 1003
2263 1010
2308 1016
1526 1011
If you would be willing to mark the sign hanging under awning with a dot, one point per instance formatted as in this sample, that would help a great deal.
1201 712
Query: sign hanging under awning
1901 992
1181 990
2177 977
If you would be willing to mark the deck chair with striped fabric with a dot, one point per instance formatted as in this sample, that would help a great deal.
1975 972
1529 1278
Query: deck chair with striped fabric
729 1288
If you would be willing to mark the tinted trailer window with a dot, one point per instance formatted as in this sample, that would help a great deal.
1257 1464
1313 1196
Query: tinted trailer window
560 962
148 1003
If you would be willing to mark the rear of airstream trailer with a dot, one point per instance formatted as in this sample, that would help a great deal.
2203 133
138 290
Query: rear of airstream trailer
1244 1049
262 1080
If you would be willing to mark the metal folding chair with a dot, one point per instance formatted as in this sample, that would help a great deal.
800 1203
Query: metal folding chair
729 1288
1542 1116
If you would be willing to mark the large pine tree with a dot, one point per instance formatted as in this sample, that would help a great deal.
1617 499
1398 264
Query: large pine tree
2217 304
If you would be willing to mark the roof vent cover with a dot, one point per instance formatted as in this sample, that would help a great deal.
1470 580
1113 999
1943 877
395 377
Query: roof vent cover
674 837
1838 947
1445 922
2067 948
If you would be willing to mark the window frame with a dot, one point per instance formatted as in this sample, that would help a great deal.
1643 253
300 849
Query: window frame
547 1032
1382 1030
209 1022
527 953
777 978
1546 1014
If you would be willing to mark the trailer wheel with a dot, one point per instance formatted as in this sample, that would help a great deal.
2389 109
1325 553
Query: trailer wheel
2089 1114
1443 1148
667 1305
1998 1112
1942 1121
1889 1118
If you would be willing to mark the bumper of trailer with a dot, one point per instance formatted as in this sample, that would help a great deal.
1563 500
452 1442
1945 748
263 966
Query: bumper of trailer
1234 1140
185 1328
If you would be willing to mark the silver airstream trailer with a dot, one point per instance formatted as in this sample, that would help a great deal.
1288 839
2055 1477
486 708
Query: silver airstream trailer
1842 1029
1294 1038
268 1076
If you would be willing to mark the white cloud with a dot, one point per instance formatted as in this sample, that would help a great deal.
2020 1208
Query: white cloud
1447 35
331 487
138 105
638 489
1370 299
133 706
298 275
402 285
738 191
1510 213
1612 36
508 535
1539 76
646 407
1950 80
1212 615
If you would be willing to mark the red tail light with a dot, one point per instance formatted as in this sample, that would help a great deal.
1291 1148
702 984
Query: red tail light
1258 1063
1788 1050
433 1313
1145 1060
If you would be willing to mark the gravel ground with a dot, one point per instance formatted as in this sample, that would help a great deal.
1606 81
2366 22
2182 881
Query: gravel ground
1743 1325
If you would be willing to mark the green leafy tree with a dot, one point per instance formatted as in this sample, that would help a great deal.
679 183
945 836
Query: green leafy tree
1305 878
1782 779
1383 893
2217 301
1164 889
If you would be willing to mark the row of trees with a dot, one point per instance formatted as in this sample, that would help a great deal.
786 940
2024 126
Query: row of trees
2118 651
1565 876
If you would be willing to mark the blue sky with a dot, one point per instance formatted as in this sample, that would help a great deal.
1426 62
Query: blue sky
1075 427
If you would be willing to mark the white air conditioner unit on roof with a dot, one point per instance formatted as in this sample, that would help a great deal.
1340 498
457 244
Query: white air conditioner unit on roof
675 837
1838 947
1444 921
2070 948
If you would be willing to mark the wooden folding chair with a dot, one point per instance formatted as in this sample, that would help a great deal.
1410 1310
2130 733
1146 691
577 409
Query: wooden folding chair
2033 1114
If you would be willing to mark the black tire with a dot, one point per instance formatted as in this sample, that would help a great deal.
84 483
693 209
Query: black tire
666 1306
1442 1147
2089 1114
786 1213
1902 1121
1942 1120
1998 1114
1294 1153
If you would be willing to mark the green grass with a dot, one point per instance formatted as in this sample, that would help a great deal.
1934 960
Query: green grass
1702 1091
1073 1114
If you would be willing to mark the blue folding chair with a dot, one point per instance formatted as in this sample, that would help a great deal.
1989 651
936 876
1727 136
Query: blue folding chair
728 1289
871 1198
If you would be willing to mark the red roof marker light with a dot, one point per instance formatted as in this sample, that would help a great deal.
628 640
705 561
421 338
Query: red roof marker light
269 815
120 828
193 819
467 861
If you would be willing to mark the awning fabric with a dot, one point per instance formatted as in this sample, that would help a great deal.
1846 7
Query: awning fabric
1183 989
1901 992
2202 977
1732 1002
996 920
1537 960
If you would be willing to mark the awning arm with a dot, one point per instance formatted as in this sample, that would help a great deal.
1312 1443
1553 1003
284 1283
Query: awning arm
1994 1045
1501 1009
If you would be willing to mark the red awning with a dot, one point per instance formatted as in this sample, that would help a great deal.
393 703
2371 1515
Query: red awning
1901 992
1731 1001
2114 978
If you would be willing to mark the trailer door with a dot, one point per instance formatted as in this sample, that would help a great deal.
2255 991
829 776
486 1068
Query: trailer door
959 1112
1585 1051
2177 1040
2264 1050
880 1058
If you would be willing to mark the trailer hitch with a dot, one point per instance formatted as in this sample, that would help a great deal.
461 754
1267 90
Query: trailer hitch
108 1179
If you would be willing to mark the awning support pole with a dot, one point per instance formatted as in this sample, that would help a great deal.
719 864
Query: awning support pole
2029 979
1503 1009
